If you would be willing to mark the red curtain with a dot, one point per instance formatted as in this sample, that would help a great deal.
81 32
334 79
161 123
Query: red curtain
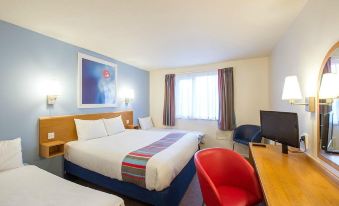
327 67
169 101
226 119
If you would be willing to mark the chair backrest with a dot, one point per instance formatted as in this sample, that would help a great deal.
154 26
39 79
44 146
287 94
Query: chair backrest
247 132
203 164
223 167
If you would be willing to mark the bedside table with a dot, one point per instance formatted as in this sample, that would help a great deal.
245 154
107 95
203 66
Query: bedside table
52 149
133 126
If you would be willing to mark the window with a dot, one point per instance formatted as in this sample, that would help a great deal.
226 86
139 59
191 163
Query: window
196 96
335 111
334 64
335 105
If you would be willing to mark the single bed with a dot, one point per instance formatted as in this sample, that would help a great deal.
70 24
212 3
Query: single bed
32 186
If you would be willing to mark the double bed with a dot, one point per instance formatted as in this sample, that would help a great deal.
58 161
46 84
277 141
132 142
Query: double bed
168 172
105 155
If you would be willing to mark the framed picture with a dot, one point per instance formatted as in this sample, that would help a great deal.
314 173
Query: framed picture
97 82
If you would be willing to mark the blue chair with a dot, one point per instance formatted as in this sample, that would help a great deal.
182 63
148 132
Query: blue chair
247 133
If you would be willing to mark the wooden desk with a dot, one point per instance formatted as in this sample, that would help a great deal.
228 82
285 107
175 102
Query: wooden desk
293 178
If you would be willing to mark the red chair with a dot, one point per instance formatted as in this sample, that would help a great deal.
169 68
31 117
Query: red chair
226 178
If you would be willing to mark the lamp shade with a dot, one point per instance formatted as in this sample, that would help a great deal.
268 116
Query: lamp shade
129 94
53 87
329 86
291 89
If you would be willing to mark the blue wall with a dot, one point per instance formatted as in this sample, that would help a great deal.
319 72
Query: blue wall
27 59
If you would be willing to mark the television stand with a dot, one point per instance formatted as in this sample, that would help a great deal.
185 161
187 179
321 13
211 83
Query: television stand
284 148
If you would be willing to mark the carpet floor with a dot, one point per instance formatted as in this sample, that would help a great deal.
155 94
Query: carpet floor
192 196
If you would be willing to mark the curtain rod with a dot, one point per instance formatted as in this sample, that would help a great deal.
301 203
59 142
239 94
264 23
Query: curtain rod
195 72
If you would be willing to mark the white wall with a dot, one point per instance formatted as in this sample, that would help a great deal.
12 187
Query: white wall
251 95
301 52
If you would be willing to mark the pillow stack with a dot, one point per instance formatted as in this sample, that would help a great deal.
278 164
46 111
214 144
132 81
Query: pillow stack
114 125
92 129
10 154
146 123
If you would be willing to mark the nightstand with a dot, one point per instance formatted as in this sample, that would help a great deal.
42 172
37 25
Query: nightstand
132 126
52 149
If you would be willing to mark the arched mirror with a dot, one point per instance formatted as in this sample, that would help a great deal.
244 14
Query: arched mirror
328 102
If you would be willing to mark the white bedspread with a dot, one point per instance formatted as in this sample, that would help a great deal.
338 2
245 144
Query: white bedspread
105 155
198 134
32 186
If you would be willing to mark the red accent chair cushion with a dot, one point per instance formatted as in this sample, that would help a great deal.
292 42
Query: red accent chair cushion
226 178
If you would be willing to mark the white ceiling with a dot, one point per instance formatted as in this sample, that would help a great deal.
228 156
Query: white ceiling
153 34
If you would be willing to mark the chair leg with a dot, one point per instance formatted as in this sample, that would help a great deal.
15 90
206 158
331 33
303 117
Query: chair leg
233 145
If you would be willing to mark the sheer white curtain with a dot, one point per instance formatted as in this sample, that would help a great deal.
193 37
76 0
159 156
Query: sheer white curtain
334 65
335 105
196 96
335 110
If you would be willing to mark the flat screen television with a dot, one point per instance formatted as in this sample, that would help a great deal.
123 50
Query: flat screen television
326 130
281 127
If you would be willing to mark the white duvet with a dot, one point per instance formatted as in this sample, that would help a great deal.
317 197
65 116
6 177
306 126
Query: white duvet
199 135
105 155
32 186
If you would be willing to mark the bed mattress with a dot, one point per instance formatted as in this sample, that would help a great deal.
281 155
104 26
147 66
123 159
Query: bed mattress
105 155
32 186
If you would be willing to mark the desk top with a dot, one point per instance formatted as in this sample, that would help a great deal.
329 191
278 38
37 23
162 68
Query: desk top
293 178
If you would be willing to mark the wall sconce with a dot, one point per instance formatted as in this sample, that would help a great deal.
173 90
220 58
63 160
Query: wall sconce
291 92
328 88
127 95
53 91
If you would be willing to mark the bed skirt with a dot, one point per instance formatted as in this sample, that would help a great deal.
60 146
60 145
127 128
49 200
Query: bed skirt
170 196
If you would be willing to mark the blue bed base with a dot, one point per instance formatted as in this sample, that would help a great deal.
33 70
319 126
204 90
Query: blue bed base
171 196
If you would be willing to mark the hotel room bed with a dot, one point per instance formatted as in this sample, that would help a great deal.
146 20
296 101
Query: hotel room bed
100 150
30 185
105 155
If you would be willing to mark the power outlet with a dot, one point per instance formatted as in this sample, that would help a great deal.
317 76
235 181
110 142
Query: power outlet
127 121
50 135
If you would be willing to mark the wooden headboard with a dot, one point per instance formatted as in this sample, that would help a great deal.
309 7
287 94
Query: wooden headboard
64 126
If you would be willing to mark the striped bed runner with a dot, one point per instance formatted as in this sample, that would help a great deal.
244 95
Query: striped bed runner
133 167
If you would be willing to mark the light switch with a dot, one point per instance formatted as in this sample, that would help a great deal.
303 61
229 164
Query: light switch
50 135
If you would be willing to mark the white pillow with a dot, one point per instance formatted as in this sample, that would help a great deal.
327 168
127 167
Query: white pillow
90 129
146 123
114 125
10 154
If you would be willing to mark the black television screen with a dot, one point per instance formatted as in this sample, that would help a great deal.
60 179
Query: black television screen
281 127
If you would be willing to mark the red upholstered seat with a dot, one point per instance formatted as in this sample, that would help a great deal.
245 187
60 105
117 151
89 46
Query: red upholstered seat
226 178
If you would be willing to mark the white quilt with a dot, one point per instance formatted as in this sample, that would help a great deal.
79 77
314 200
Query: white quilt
198 134
105 155
32 186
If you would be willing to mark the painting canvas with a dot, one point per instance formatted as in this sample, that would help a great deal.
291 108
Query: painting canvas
97 82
